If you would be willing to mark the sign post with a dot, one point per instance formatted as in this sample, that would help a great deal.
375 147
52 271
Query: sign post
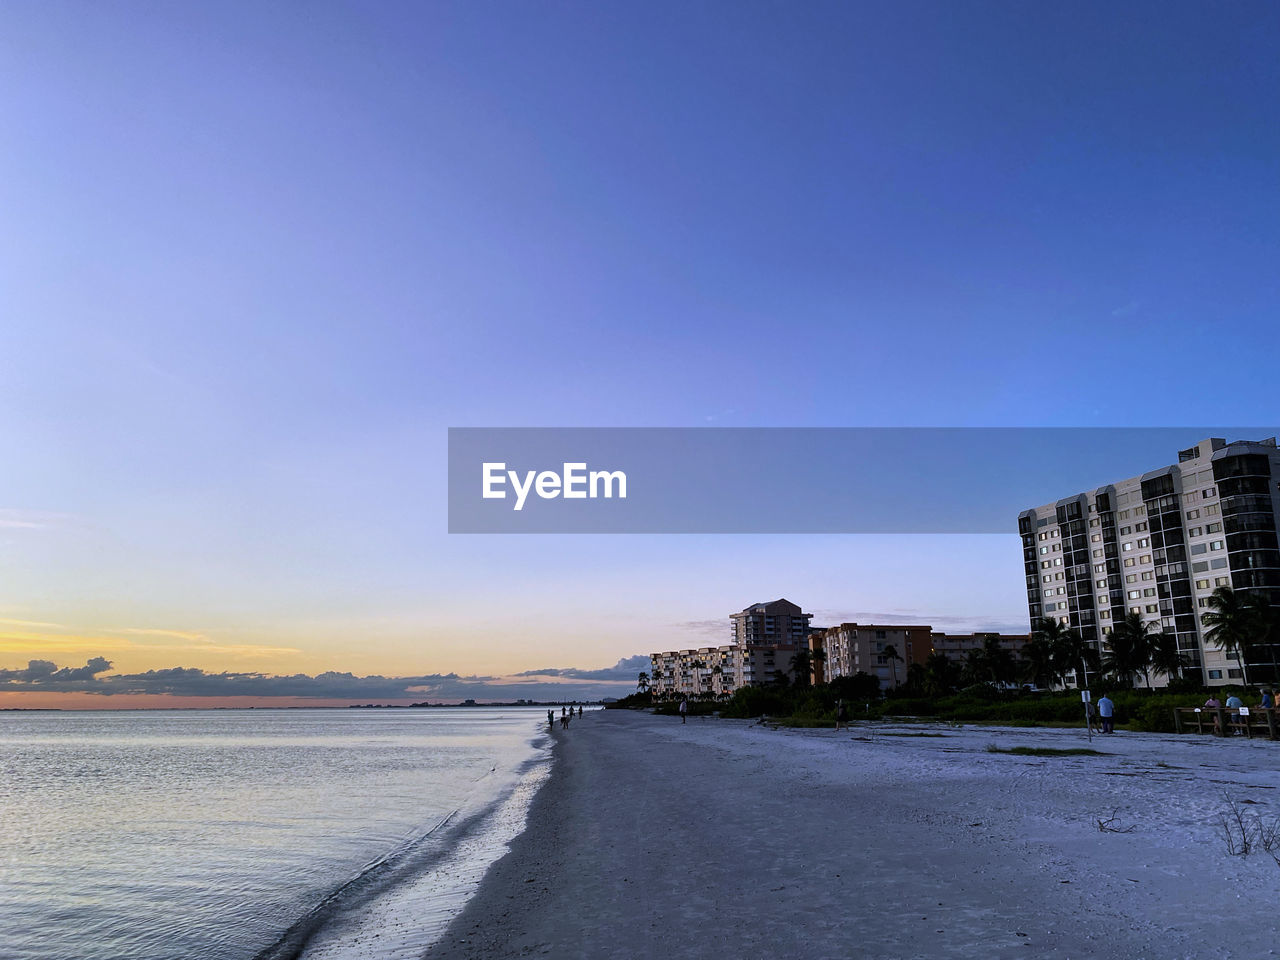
1087 699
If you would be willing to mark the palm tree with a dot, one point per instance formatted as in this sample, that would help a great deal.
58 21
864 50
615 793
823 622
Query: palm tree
1037 662
1230 621
697 666
974 668
915 678
890 652
939 675
820 662
716 671
1121 657
1266 624
1071 652
1135 637
800 665
642 682
999 662
1166 659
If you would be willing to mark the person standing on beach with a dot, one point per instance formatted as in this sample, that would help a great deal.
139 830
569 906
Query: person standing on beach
1213 704
684 710
842 715
1234 704
1107 711
579 711
551 719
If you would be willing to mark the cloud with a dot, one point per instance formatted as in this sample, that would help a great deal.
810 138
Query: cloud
625 669
11 519
943 623
719 631
155 632
45 676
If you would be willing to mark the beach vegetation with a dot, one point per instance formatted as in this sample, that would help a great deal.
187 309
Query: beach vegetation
1047 751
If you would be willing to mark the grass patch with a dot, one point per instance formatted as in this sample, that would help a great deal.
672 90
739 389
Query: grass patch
799 722
1047 751
913 734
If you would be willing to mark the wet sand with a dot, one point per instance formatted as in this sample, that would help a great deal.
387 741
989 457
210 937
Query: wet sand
728 839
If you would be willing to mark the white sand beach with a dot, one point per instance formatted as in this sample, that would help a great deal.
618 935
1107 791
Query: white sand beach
729 839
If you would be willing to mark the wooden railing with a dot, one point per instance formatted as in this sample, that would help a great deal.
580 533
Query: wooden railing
1228 721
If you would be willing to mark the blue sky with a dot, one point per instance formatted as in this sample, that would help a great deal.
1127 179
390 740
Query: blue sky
259 257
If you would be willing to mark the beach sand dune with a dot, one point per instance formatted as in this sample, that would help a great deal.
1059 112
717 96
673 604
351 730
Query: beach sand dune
727 839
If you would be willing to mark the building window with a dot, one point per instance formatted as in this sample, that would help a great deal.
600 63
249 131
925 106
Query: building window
1215 674
1193 514
1215 544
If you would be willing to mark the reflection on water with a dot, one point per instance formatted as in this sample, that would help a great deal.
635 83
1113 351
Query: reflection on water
145 835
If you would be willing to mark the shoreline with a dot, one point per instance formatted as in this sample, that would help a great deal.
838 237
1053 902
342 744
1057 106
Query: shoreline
655 839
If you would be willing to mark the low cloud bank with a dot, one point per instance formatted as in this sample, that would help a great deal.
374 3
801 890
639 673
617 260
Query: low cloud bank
44 676
624 671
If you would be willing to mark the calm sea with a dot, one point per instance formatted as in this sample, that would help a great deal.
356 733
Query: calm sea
248 834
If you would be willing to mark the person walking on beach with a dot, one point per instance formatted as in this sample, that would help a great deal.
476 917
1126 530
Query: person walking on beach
1107 710
684 711
579 711
842 715
551 719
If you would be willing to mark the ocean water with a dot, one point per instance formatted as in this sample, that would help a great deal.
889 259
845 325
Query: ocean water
254 834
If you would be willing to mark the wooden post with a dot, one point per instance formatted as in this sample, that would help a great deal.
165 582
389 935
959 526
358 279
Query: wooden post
1177 719
1271 723
1199 721
1222 723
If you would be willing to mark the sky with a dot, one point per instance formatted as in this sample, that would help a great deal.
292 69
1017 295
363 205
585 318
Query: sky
258 258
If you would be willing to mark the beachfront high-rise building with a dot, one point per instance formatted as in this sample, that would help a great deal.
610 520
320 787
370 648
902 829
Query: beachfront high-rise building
767 637
700 671
882 650
779 623
1158 545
